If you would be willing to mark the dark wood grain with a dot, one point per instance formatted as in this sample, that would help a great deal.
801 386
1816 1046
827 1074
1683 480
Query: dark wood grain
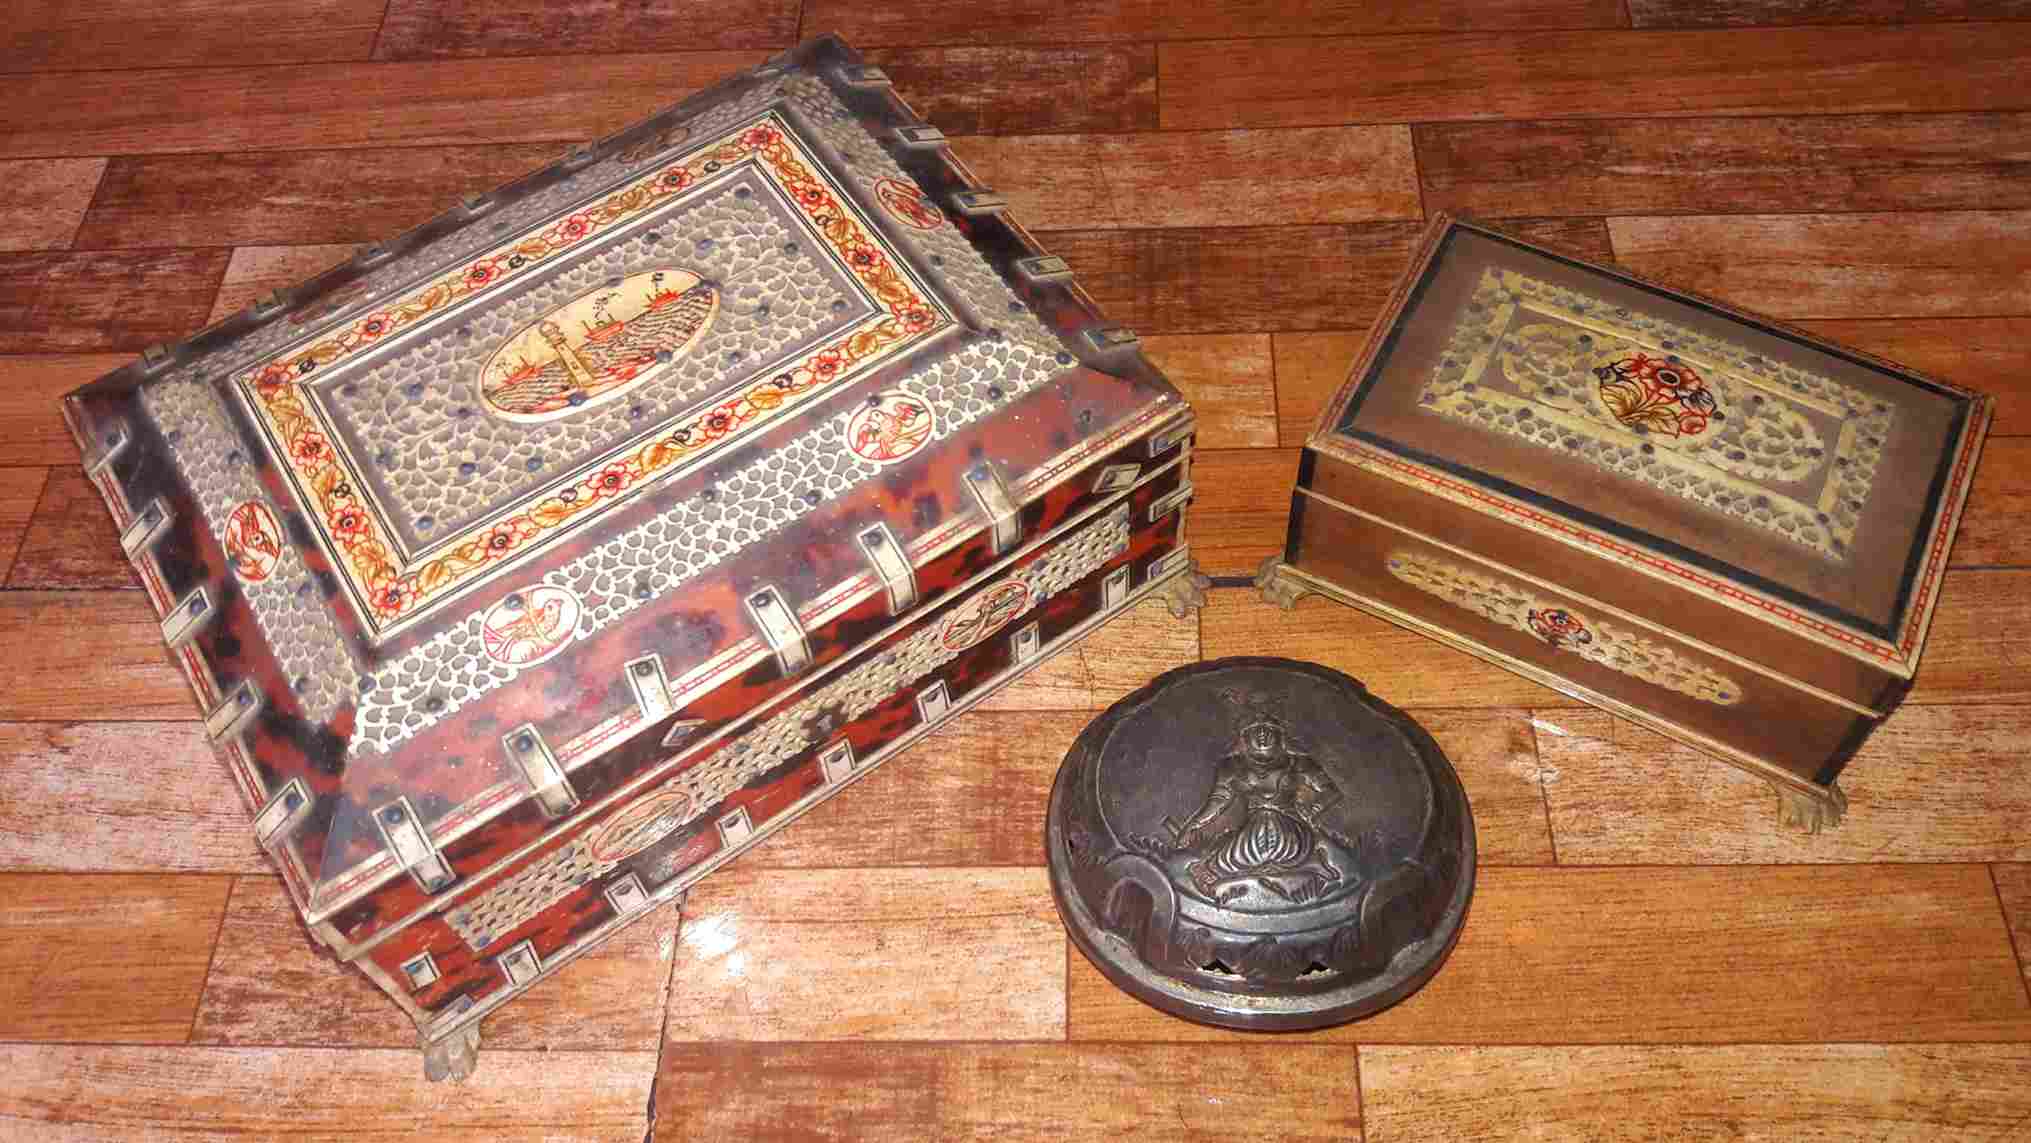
1544 75
1199 178
936 22
95 302
104 958
1014 90
71 543
31 420
2013 889
333 105
1983 621
1949 264
1264 277
185 33
294 197
1241 508
1738 165
437 29
20 490
1992 530
42 200
1021 1093
1229 379
256 270
1310 368
107 664
611 999
77 801
1761 1091
1934 783
77 1092
1713 13
1701 955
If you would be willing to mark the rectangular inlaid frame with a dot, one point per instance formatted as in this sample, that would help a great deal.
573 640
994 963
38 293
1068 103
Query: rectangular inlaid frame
1342 434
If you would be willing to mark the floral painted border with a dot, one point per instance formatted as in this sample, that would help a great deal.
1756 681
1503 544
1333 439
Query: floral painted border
393 594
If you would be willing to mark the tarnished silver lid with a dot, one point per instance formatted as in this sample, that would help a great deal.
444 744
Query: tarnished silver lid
1261 843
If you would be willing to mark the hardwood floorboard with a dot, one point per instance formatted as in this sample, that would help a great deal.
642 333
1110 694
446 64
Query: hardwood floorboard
1011 90
109 665
185 33
1989 355
1972 654
94 302
43 200
1241 508
104 958
1935 783
440 29
1230 381
1312 80
1703 955
1823 1092
1728 165
256 270
1310 368
78 1093
20 491
293 197
71 543
1992 530
1948 264
1714 13
609 1000
2013 890
1021 1093
839 954
932 22
1264 278
75 803
31 419
1200 178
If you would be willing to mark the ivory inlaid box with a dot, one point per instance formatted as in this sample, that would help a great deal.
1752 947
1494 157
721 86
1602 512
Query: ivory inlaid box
1716 526
533 565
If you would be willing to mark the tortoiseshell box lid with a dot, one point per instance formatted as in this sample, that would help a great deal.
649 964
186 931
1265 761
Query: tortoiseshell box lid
519 489
1809 489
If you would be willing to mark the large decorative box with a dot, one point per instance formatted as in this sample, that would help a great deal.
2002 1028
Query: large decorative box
1715 526
534 564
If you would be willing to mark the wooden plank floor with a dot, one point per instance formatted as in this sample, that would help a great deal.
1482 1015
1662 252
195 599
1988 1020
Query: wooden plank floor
1241 181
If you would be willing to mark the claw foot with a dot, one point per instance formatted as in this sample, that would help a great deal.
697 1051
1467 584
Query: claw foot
1810 812
454 1057
1185 593
1277 587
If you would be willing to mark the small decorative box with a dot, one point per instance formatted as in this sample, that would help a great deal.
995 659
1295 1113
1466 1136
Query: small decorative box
1713 525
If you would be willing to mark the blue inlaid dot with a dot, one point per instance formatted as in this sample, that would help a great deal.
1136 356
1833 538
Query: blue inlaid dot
468 468
426 523
742 193
291 800
704 245
1064 358
414 389
533 464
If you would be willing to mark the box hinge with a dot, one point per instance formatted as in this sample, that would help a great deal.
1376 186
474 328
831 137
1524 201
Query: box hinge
156 358
150 525
283 814
190 613
1177 559
934 701
1167 438
520 964
475 205
531 755
1026 642
626 894
116 443
735 828
1114 589
411 847
780 628
373 254
231 717
1169 502
1112 337
1043 268
421 971
864 75
921 136
268 305
992 495
835 762
578 157
1116 477
651 687
974 203
891 565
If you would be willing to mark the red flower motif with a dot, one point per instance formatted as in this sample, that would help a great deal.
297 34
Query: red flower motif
504 536
814 197
376 325
310 447
827 363
676 178
758 136
274 377
348 521
480 273
612 480
577 226
391 597
864 258
916 320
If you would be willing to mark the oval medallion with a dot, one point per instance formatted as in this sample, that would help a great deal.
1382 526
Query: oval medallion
598 346
638 826
985 615
530 625
253 541
907 204
889 428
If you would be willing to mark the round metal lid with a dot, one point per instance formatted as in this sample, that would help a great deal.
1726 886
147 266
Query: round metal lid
1260 843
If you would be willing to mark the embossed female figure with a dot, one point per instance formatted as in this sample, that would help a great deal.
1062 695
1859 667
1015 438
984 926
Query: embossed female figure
1261 820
